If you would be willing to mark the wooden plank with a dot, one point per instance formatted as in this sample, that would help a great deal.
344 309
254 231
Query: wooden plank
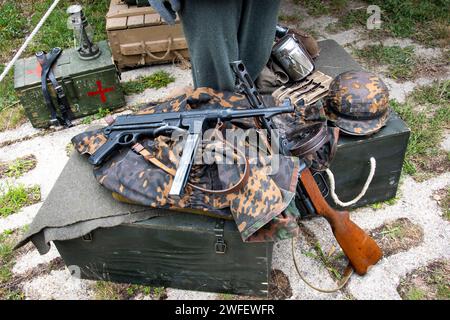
130 49
116 23
152 19
135 21
117 9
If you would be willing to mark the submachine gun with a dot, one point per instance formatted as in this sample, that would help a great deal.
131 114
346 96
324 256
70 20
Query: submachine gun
127 129
361 250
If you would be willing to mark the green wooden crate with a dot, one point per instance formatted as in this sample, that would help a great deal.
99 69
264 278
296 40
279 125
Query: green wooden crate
351 163
176 251
88 84
171 249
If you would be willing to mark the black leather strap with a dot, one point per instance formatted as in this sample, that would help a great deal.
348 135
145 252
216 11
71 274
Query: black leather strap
47 62
41 57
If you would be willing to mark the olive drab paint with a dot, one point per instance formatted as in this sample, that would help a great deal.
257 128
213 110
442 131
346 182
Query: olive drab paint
88 85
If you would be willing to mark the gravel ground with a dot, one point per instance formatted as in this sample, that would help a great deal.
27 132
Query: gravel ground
381 282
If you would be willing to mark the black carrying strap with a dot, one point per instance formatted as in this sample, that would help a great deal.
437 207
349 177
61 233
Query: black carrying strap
47 61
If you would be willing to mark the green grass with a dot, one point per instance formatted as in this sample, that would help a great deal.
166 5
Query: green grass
401 62
424 21
426 126
320 8
6 255
389 202
18 18
427 22
348 20
16 197
415 294
18 167
105 290
328 260
7 259
157 80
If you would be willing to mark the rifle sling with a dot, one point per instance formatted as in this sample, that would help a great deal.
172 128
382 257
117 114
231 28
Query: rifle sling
138 148
46 66
47 62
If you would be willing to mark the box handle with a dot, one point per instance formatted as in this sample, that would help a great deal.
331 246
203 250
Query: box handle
220 246
164 56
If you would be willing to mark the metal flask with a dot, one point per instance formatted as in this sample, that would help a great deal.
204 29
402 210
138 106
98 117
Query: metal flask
293 57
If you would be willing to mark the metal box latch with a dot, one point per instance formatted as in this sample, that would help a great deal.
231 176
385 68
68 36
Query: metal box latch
220 246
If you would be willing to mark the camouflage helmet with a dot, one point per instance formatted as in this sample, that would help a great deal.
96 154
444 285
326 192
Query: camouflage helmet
358 103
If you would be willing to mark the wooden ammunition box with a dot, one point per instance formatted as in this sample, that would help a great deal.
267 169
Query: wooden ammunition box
88 85
138 36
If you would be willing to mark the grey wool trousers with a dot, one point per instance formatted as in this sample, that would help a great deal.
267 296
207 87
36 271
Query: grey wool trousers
221 31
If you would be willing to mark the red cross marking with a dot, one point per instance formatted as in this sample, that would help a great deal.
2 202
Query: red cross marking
100 91
37 70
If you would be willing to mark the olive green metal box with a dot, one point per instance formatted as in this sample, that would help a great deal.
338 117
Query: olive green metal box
172 249
351 162
88 84
351 165
177 251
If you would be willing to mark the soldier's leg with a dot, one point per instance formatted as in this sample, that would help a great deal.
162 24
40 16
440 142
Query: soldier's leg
211 29
257 33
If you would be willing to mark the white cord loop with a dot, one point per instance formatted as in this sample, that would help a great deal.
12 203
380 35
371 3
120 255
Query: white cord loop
373 165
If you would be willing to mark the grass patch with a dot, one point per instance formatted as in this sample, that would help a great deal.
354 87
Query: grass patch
7 259
397 236
442 197
18 167
6 255
334 261
401 62
431 282
423 21
105 290
279 286
18 18
156 80
320 8
349 19
389 202
16 197
423 155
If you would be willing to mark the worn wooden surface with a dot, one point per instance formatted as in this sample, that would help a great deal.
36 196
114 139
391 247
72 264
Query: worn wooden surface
134 32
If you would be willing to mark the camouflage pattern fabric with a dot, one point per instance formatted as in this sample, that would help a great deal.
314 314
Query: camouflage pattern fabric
358 103
258 208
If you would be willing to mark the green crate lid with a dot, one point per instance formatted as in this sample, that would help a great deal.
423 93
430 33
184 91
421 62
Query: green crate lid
27 71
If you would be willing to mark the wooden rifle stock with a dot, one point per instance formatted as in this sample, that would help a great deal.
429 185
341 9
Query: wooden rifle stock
361 250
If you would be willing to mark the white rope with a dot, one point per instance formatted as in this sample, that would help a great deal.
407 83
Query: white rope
27 41
373 165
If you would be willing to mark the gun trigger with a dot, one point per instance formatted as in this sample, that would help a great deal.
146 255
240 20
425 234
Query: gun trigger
219 124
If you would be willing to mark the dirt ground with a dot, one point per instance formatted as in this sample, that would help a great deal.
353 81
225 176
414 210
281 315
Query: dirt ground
413 231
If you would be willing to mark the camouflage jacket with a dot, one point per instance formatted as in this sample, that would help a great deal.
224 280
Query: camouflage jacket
260 208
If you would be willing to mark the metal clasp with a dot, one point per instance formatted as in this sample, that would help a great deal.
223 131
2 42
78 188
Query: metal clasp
220 245
87 237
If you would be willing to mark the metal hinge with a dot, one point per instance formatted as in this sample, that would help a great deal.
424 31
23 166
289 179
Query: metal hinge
220 245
